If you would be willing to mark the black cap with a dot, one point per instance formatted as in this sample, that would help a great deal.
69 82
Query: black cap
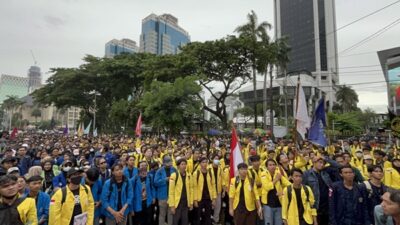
8 159
74 170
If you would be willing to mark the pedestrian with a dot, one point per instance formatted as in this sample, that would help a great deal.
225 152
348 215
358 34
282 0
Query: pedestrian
346 202
74 202
373 189
180 195
41 198
15 209
92 179
117 197
204 194
271 193
244 203
161 181
298 201
388 212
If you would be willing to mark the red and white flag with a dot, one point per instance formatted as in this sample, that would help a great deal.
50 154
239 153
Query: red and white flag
236 156
138 130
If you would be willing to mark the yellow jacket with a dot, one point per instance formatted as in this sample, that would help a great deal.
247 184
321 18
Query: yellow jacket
267 185
226 178
257 177
290 212
219 181
27 211
175 189
250 195
61 214
358 163
192 166
198 184
392 178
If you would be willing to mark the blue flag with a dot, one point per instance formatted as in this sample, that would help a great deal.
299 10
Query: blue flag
316 132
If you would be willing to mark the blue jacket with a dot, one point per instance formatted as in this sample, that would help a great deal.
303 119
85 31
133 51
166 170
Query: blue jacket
96 193
59 181
110 159
337 205
137 186
24 165
127 174
42 206
110 199
310 179
161 183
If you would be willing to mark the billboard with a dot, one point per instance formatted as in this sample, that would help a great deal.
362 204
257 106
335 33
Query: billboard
394 89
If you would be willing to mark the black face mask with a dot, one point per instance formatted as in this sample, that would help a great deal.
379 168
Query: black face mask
76 180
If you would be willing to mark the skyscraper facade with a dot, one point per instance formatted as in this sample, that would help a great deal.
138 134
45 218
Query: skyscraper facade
116 47
310 27
13 86
35 78
162 35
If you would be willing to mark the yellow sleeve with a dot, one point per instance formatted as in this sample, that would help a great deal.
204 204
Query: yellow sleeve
312 201
266 182
55 209
192 190
214 187
232 188
91 207
300 162
32 218
171 191
387 179
225 178
255 190
285 203
285 182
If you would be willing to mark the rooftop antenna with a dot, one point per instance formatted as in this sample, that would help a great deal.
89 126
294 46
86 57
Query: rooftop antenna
34 59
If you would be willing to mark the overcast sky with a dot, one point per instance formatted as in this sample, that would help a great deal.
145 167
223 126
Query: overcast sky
61 32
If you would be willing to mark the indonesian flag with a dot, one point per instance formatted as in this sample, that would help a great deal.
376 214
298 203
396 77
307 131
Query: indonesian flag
138 130
236 155
14 133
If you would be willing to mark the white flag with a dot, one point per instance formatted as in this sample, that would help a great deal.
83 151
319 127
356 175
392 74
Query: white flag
302 119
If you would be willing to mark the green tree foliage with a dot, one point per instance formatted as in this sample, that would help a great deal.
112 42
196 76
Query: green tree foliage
347 98
172 106
224 63
253 32
36 112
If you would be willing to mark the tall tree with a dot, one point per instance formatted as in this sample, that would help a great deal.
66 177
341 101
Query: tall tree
36 112
223 63
11 104
347 98
254 31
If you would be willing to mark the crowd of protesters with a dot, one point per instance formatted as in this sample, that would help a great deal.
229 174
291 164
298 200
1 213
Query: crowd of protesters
60 180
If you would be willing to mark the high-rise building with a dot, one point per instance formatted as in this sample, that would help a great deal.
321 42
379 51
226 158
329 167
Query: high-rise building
162 35
13 86
116 47
310 27
35 78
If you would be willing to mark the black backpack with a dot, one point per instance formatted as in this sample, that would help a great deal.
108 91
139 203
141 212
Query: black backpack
64 193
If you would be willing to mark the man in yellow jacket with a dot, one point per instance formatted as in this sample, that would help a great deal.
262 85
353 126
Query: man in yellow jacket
297 202
204 193
72 203
244 203
180 193
15 210
392 175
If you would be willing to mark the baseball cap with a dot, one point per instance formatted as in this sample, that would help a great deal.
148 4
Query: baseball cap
13 170
74 170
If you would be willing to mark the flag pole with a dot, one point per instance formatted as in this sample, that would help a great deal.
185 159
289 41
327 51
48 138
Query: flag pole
295 120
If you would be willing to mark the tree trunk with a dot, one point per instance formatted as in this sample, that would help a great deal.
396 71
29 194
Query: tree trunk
271 107
265 100
255 96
